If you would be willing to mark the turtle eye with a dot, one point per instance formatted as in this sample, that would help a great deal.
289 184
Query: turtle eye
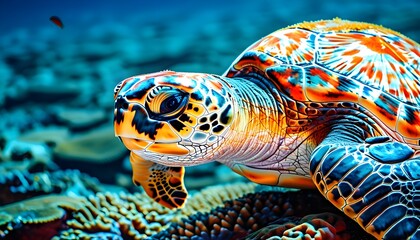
164 102
171 103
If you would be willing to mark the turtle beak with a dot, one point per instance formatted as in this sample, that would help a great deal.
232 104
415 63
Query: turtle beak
121 106
138 132
123 115
135 144
132 121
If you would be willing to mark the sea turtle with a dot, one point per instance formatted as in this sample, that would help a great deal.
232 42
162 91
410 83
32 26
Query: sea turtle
330 104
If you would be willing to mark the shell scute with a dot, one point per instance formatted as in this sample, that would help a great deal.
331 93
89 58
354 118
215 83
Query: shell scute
291 46
342 61
375 59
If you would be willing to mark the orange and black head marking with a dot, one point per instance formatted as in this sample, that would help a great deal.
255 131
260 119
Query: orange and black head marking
175 116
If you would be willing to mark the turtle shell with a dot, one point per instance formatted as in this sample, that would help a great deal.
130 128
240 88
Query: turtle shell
342 61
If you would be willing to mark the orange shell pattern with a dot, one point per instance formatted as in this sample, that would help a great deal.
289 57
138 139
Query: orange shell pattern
330 68
366 64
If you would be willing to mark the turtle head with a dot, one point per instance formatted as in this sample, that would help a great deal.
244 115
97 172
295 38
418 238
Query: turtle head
172 118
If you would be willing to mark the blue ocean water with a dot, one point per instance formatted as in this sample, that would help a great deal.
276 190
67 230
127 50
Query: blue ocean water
33 14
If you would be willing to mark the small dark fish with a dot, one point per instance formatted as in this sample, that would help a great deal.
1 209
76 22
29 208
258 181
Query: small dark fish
57 21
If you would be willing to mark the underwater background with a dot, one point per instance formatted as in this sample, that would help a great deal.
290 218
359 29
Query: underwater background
56 103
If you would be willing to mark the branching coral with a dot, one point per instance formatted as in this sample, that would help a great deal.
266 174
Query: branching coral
215 196
101 215
136 216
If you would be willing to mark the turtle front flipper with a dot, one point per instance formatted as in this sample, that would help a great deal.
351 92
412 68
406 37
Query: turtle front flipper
163 184
375 181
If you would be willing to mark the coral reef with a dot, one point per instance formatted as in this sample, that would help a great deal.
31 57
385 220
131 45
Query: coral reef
17 185
283 213
23 155
106 215
321 226
39 217
136 216
222 212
